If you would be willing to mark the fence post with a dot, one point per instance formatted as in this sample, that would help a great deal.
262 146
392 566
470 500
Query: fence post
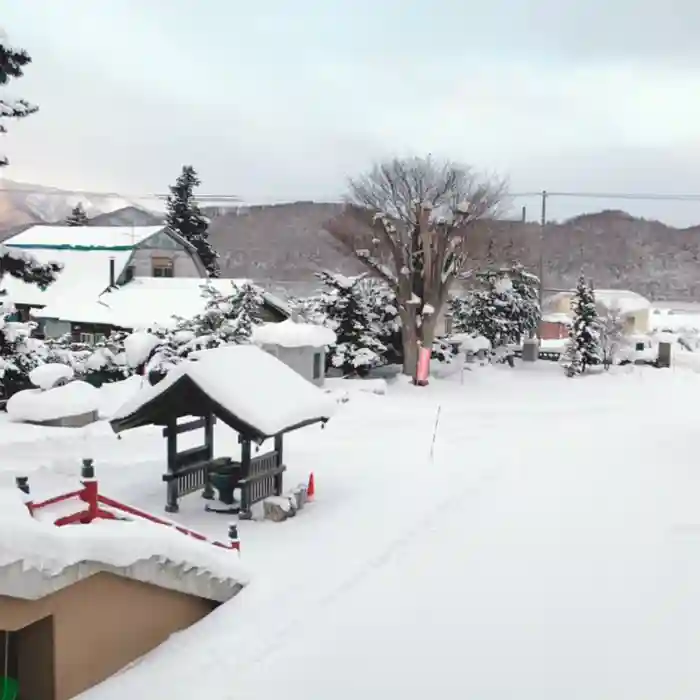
245 470
279 461
209 421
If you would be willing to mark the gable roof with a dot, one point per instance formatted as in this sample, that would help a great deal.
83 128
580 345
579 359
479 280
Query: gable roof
145 302
41 558
251 391
84 238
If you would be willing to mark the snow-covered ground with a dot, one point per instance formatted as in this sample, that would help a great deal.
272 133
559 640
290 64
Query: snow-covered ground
548 548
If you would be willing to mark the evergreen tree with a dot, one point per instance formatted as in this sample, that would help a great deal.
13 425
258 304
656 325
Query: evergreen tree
584 346
184 217
357 349
12 63
18 349
383 313
503 308
226 319
77 217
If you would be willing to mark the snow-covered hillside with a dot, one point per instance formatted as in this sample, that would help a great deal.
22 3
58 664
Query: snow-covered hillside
48 204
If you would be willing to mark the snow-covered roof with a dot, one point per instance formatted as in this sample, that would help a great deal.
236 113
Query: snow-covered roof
83 237
85 275
144 302
41 558
251 390
557 318
293 334
625 300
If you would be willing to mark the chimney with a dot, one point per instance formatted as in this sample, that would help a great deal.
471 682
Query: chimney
111 273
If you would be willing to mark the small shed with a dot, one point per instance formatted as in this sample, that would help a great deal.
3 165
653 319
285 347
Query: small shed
249 390
79 603
301 346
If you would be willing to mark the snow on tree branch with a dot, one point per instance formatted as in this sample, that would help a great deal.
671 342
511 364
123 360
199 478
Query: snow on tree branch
409 222
12 63
25 267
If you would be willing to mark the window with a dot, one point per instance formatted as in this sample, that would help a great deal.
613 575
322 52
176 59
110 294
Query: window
162 267
90 338
317 365
128 274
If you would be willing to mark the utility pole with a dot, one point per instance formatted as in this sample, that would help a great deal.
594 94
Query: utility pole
543 224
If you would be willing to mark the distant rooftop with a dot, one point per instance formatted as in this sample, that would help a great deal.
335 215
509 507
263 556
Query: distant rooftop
83 237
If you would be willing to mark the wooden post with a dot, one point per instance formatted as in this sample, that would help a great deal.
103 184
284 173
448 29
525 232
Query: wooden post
170 432
279 461
90 492
209 421
22 483
245 470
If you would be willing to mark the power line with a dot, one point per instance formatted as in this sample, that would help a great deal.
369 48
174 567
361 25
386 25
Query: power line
650 196
639 196
119 195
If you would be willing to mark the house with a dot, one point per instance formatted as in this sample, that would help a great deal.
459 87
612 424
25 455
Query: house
96 258
113 278
82 599
633 308
143 302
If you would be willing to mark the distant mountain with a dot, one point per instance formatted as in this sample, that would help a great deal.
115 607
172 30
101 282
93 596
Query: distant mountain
24 203
286 243
127 216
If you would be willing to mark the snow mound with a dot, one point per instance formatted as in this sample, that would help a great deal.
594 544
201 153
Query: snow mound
48 375
138 346
471 343
37 405
293 334
375 385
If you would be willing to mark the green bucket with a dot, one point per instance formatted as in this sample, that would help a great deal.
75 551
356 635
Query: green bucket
9 688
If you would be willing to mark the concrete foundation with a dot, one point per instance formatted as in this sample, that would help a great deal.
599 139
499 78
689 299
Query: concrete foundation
77 421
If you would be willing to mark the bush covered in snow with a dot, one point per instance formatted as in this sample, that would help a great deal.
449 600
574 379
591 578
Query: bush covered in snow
50 375
503 308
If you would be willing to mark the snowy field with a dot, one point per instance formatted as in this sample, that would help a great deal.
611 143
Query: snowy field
549 548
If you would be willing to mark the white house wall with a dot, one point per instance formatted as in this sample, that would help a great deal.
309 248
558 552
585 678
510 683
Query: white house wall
185 262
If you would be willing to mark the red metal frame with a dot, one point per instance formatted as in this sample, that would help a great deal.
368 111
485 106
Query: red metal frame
90 495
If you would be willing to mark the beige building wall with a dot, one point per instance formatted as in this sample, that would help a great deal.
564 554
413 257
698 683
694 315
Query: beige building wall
101 624
184 264
635 322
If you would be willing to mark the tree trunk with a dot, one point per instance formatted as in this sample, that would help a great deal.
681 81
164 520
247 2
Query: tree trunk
427 334
409 340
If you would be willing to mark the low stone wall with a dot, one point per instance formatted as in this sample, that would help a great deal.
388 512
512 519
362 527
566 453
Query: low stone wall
77 421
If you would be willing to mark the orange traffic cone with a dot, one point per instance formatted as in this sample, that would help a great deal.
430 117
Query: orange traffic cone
311 488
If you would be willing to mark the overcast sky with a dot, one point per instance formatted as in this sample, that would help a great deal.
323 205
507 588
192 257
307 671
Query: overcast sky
277 100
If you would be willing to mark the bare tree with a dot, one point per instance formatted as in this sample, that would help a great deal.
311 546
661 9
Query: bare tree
408 221
612 332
